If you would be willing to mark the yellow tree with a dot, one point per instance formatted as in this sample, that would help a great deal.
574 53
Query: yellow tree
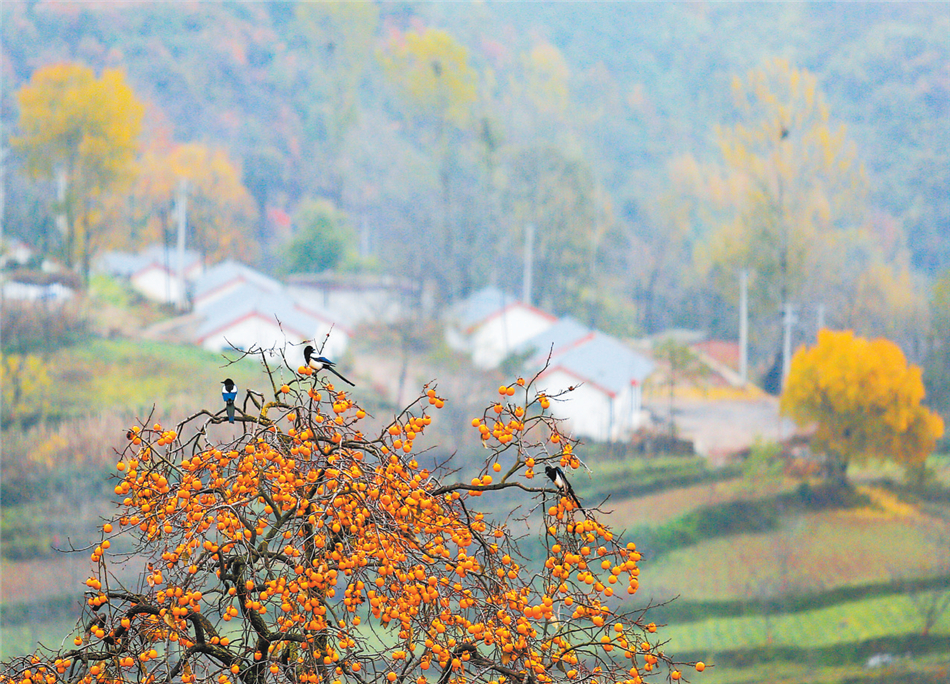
341 36
26 386
313 547
534 97
221 211
795 187
437 87
83 132
435 81
863 399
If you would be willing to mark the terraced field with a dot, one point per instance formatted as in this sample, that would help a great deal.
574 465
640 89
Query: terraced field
810 593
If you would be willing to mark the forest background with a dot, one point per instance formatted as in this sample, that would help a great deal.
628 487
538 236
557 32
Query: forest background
433 133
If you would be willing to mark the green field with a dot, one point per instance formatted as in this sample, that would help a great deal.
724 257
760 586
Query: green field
133 375
772 586
23 638
890 616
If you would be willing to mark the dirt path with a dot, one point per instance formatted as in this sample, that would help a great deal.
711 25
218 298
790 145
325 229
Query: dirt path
719 428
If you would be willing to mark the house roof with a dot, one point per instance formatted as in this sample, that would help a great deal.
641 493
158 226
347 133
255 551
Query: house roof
124 264
603 361
725 352
480 305
485 304
127 264
227 272
565 333
249 301
159 255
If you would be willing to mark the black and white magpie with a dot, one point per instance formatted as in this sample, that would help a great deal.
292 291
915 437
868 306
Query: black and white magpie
319 363
557 476
229 393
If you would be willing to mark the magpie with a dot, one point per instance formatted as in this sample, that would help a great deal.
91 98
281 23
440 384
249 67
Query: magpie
229 394
319 363
556 476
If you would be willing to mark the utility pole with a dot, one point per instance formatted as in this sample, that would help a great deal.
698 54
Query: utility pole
3 189
528 263
788 320
744 326
182 216
364 239
821 317
61 202
3 208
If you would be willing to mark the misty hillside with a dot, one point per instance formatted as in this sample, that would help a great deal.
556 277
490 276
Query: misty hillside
600 122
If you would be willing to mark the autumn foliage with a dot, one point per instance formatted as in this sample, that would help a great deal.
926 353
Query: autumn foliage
310 549
220 209
863 398
85 130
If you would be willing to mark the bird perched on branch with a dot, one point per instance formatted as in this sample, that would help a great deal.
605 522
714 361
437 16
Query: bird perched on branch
557 476
229 394
319 363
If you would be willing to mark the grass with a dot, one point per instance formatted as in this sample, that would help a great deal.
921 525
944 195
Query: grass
890 616
808 553
683 610
927 669
23 638
631 478
110 375
660 507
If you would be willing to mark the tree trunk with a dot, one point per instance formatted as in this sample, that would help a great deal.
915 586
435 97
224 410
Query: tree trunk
838 470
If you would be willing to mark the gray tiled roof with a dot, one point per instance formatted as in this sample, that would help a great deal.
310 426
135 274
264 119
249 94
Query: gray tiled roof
479 306
127 264
123 264
561 335
248 300
158 254
228 271
604 361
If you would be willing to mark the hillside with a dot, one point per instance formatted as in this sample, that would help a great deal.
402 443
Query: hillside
622 90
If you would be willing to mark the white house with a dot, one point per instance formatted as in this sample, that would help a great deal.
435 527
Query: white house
248 317
154 271
36 292
354 298
224 278
490 325
606 403
15 253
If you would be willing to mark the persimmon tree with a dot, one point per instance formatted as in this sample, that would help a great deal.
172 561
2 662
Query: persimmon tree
314 548
864 400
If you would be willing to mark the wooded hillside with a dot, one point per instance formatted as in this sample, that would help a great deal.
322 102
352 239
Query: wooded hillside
441 130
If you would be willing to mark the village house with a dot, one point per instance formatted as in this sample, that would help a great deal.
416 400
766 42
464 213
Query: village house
490 325
224 278
354 298
248 318
606 402
154 272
